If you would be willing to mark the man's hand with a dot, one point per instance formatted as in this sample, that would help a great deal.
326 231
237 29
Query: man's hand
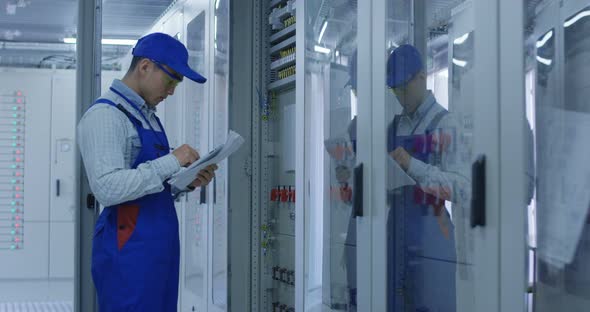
401 157
186 155
204 176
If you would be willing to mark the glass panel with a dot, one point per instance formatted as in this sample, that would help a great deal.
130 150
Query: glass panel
220 129
123 23
196 235
330 45
562 118
37 143
429 116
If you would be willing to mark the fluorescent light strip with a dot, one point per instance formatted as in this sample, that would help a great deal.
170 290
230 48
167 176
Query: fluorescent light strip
576 18
322 31
127 42
544 40
317 48
461 39
119 42
544 60
459 62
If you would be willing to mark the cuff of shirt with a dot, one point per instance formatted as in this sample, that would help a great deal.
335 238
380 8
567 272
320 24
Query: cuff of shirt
417 169
166 166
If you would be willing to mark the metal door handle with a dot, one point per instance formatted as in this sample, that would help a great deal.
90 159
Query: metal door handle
357 196
478 192
203 195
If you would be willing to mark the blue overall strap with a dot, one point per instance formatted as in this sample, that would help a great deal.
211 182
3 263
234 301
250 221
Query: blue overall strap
120 107
392 130
162 142
436 120
392 133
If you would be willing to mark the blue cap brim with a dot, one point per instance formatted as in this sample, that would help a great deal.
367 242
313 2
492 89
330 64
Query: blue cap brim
188 73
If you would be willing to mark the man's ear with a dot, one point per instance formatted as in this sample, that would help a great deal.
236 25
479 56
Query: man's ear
144 66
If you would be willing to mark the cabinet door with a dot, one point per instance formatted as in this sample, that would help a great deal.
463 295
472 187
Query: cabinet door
562 119
330 126
434 163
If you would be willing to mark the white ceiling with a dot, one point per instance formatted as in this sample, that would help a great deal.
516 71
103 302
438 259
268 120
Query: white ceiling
26 23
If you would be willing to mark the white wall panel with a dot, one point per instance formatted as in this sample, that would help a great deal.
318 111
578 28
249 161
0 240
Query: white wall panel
61 250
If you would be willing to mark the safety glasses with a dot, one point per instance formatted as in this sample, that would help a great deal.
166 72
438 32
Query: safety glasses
173 80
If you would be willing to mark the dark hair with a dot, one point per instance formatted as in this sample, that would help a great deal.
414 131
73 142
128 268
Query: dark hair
134 61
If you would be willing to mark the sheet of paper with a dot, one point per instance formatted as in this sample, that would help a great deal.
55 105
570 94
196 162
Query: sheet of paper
187 175
397 176
563 182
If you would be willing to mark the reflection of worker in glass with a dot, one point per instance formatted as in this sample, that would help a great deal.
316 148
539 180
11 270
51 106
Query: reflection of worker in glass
421 242
350 243
343 157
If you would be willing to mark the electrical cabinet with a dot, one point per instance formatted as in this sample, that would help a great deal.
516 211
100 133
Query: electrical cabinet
276 100
39 184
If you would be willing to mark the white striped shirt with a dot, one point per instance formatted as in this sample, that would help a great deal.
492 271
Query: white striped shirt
109 144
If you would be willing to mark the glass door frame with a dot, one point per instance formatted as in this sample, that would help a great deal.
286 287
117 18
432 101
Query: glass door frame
371 239
302 176
553 14
513 245
500 245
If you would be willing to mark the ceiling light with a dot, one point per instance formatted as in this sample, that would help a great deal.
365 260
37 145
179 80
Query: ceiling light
105 41
544 40
322 31
461 39
544 61
459 62
322 49
576 18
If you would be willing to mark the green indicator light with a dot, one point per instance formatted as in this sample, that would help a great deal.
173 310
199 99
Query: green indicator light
13 144
13 166
13 203
13 210
14 137
14 123
13 130
15 115
12 232
14 108
13 247
13 181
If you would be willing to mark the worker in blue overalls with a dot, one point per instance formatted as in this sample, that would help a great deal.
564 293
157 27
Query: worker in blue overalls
136 248
421 247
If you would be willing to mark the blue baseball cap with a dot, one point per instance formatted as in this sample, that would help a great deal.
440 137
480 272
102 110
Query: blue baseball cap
403 64
167 50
